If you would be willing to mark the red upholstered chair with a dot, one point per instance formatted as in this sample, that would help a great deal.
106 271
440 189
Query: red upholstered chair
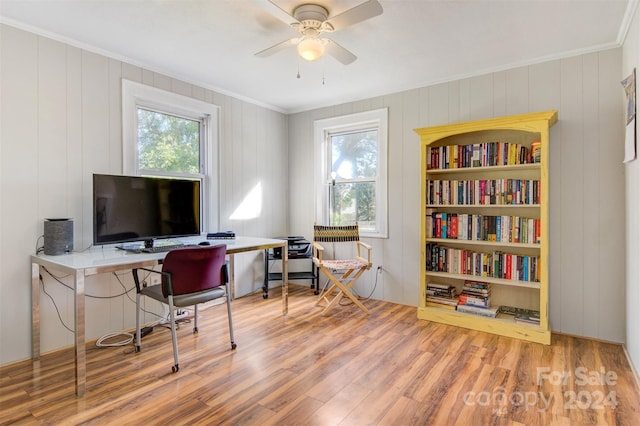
190 276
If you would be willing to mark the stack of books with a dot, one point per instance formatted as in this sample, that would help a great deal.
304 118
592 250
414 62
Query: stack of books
535 152
442 296
522 315
475 299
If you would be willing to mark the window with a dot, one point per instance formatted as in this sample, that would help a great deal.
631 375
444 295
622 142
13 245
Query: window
351 171
166 134
168 144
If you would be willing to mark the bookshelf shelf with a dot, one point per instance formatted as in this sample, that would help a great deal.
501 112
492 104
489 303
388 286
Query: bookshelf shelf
491 280
488 169
504 326
484 206
493 245
510 158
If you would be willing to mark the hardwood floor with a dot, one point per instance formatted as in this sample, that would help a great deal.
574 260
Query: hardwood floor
387 368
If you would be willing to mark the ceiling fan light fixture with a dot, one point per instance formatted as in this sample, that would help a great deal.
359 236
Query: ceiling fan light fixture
311 49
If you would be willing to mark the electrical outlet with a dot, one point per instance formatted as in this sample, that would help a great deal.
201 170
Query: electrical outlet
379 268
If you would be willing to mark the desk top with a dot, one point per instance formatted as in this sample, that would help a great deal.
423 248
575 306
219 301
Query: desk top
108 258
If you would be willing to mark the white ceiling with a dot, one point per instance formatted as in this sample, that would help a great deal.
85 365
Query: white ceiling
414 43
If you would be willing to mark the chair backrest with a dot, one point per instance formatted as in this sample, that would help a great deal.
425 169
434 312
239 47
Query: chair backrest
336 233
195 269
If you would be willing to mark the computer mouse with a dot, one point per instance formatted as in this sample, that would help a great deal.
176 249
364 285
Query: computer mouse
204 243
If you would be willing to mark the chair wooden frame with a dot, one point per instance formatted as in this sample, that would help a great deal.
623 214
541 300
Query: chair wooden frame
342 274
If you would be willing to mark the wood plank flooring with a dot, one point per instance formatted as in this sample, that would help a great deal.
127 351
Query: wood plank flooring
387 368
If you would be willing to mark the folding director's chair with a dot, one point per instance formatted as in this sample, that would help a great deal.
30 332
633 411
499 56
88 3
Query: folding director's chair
342 274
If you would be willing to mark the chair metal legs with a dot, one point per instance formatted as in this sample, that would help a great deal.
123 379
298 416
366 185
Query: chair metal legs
233 343
195 319
174 336
172 323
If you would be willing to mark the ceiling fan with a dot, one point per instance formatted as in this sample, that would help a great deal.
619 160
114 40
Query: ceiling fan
311 21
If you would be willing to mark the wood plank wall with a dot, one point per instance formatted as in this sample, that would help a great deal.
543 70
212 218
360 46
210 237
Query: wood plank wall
587 279
60 122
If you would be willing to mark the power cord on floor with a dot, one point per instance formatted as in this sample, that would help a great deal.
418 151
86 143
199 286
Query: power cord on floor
355 292
103 342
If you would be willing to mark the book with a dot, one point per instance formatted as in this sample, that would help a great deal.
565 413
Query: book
440 305
453 229
429 225
444 223
440 293
442 300
443 294
535 151
525 320
473 300
478 291
440 286
490 312
522 315
529 317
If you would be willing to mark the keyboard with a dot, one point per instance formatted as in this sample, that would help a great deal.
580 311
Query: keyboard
166 247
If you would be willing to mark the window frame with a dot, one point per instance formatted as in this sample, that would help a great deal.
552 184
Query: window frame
135 95
323 129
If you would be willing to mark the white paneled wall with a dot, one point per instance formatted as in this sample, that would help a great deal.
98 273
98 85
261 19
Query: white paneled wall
587 265
631 61
60 122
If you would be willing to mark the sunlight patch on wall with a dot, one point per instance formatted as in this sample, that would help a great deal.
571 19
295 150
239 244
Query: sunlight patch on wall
251 206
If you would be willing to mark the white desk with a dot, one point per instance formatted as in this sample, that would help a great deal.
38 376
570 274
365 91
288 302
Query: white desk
100 260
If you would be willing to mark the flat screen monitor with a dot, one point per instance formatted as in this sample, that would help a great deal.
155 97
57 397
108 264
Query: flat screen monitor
139 208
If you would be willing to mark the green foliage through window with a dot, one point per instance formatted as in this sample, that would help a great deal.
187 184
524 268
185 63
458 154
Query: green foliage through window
354 164
168 143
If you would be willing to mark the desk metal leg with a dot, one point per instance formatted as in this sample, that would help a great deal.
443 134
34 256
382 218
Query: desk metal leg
79 323
265 283
81 352
35 311
285 279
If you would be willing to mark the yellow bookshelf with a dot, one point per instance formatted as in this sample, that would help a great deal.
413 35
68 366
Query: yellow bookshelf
448 158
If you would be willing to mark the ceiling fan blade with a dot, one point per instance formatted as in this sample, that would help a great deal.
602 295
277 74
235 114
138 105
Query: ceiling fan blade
339 52
280 13
278 47
359 13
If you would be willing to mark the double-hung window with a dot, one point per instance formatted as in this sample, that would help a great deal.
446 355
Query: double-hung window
170 135
351 171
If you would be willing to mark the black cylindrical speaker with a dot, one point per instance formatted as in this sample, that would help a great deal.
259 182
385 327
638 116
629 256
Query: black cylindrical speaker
58 236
